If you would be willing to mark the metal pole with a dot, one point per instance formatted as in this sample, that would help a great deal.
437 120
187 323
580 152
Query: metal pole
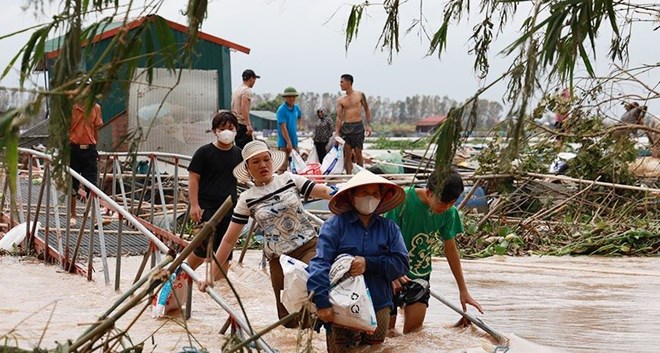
29 197
90 254
176 193
56 214
114 177
105 322
153 189
81 230
133 172
122 188
119 239
21 213
223 304
143 264
33 227
67 232
44 179
99 226
162 194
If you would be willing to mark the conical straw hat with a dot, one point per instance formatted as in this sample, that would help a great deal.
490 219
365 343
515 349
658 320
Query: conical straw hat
391 194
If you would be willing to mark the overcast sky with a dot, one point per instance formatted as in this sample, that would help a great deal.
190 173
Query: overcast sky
300 43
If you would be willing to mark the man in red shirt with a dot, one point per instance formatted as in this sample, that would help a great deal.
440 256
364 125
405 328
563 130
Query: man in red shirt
83 137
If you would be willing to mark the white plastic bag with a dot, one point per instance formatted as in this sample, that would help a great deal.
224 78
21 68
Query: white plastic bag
16 235
351 302
313 156
172 295
333 162
296 163
294 295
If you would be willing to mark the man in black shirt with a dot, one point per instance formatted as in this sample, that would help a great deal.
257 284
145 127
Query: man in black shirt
211 180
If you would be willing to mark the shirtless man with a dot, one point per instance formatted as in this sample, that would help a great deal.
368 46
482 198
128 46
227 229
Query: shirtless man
349 122
241 100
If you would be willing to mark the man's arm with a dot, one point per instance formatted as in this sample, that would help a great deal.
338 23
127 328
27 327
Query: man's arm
98 123
245 112
367 114
285 135
193 193
340 117
454 260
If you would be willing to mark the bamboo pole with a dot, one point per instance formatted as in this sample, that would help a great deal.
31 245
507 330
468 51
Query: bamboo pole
248 237
545 213
107 320
258 335
469 195
599 183
118 255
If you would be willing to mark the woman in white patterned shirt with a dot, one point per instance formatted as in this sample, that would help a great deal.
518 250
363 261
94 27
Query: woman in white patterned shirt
275 203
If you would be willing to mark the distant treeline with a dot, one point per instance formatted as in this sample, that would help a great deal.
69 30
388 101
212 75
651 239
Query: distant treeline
385 110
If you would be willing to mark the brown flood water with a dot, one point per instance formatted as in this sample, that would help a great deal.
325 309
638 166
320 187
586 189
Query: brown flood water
543 304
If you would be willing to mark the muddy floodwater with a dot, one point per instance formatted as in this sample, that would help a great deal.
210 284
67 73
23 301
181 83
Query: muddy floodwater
542 304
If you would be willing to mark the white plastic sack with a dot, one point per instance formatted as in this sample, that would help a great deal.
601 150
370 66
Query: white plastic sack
16 235
331 142
172 295
296 163
294 295
333 162
351 302
313 156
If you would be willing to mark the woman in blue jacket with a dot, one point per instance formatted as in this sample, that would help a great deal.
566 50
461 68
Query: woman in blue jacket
377 245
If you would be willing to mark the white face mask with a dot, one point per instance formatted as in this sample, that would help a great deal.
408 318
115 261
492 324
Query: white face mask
366 205
226 136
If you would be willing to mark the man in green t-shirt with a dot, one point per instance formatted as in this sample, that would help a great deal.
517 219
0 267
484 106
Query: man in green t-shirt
425 214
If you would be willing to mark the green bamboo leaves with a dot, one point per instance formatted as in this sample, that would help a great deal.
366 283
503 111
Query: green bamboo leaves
353 24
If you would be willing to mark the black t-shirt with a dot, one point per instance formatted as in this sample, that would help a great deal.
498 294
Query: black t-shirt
216 180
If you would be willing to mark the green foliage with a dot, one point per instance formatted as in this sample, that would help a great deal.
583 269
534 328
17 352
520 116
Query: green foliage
554 39
600 155
390 35
353 23
628 236
269 105
396 130
606 158
447 139
564 32
384 143
533 157
566 29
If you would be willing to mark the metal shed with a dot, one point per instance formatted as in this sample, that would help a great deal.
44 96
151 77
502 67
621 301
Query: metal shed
126 109
263 120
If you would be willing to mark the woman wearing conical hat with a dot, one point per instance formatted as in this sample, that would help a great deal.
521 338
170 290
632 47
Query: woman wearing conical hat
376 244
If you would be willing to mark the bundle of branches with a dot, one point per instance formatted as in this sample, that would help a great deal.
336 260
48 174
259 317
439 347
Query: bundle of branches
576 218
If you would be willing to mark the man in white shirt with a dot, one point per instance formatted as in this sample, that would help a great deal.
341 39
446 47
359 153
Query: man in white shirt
240 104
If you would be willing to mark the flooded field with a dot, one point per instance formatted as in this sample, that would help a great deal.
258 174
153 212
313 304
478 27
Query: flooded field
543 304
